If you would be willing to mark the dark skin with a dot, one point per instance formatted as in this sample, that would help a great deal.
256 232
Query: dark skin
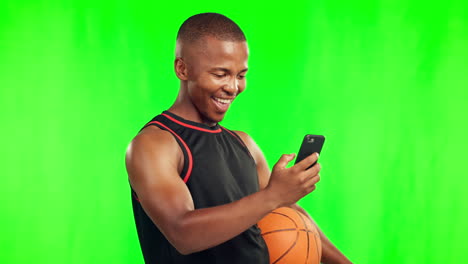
330 254
212 73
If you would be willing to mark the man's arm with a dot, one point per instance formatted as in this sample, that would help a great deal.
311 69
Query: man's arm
154 162
330 254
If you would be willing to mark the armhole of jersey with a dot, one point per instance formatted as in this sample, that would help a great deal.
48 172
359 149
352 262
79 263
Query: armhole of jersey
188 160
240 140
134 195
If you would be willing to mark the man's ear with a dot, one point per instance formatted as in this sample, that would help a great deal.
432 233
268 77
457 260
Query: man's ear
180 69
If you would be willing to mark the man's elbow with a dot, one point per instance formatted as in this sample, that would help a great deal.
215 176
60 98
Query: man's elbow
183 241
182 245
183 250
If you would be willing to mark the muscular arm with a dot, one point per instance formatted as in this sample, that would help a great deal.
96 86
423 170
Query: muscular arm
154 163
330 254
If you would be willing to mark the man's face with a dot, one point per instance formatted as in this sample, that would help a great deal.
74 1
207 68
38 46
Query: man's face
215 76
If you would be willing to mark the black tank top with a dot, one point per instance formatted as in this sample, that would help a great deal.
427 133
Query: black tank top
218 169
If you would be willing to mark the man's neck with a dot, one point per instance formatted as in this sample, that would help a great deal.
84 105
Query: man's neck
189 112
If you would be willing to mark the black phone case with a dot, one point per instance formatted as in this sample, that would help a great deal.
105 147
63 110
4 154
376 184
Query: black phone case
310 144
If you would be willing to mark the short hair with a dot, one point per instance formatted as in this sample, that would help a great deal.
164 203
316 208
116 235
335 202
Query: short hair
209 24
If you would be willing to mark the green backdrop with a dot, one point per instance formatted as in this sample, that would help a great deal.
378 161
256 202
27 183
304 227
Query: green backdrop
385 81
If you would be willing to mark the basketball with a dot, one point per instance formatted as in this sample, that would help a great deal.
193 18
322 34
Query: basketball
291 237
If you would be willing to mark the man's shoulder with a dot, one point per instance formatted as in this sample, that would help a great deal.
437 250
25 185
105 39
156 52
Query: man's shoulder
248 141
152 137
243 135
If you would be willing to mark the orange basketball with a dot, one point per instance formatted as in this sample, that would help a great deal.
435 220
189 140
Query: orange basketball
291 237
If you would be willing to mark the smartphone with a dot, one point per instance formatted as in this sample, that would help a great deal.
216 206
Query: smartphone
310 144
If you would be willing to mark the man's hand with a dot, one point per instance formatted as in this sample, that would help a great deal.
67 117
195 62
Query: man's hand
288 185
281 179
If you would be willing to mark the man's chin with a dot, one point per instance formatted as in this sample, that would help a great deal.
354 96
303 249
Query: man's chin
213 118
218 117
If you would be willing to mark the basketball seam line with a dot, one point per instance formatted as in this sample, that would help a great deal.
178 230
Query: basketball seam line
287 229
308 242
295 241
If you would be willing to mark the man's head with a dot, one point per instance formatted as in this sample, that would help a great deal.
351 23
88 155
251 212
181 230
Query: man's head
211 62
212 24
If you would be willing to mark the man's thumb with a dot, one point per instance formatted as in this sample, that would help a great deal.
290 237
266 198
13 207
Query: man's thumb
284 160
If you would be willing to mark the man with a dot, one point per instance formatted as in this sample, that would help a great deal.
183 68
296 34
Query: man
198 188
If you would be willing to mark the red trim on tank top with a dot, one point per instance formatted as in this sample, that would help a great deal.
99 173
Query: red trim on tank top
190 126
236 136
239 139
189 153
135 196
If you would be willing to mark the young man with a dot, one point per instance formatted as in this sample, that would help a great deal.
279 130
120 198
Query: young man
198 188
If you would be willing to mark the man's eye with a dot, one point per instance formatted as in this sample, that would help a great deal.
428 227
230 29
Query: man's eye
241 76
219 75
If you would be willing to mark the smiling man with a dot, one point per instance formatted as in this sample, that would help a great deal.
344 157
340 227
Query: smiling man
199 189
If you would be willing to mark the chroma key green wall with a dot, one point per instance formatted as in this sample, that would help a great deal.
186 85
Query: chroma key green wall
385 81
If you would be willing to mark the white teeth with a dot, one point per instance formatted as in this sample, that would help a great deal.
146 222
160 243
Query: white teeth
223 101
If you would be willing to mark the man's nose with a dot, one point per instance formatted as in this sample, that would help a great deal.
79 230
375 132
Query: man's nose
232 87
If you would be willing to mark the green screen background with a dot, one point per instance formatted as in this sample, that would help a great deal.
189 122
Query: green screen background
385 81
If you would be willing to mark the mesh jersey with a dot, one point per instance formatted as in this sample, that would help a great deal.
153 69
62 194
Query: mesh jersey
218 169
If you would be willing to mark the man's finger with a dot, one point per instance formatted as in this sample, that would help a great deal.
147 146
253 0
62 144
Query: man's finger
313 180
314 170
284 160
305 163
